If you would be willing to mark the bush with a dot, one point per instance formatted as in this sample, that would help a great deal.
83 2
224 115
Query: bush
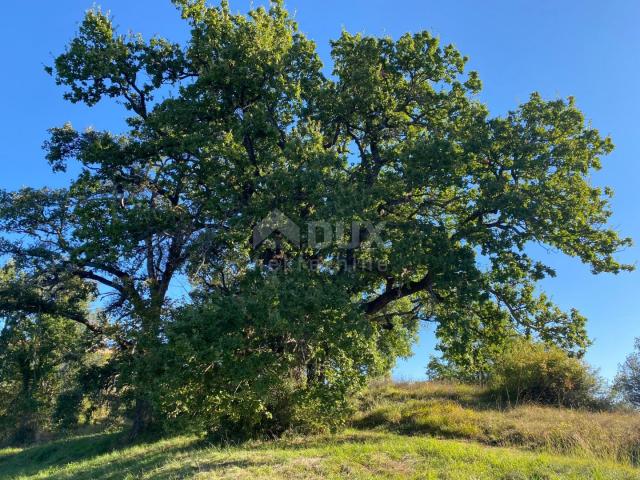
534 372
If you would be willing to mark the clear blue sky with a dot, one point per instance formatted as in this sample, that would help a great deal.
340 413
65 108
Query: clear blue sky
589 49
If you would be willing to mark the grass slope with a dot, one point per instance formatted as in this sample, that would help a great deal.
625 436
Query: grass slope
348 455
463 412
426 431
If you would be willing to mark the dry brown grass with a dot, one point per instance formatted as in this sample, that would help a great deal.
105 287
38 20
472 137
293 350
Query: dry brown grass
460 411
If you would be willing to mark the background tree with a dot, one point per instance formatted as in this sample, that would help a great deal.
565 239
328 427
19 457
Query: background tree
395 138
627 381
40 356
470 352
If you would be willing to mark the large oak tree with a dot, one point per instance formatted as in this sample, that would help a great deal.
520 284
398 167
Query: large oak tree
242 120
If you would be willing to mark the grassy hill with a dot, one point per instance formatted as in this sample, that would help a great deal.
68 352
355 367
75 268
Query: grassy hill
418 430
464 412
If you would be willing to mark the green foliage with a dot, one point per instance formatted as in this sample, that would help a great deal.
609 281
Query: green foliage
627 382
440 370
535 372
395 138
66 414
468 353
288 353
40 356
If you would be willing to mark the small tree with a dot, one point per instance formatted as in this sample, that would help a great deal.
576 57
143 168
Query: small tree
627 381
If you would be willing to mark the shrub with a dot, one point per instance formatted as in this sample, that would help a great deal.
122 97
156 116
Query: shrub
535 372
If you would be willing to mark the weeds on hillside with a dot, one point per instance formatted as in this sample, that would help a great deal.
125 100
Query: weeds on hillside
450 410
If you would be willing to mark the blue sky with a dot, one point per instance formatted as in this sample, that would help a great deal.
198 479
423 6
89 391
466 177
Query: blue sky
588 49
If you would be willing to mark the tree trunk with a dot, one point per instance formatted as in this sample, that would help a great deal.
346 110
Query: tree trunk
143 420
147 370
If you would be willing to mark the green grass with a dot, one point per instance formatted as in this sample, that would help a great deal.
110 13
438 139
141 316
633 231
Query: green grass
401 431
351 454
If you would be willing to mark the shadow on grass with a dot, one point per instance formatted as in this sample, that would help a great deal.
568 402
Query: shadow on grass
109 457
30 460
409 427
80 457
266 453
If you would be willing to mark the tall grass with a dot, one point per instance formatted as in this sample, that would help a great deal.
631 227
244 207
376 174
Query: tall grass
460 411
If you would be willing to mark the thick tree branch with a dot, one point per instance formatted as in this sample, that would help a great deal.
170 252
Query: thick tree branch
392 294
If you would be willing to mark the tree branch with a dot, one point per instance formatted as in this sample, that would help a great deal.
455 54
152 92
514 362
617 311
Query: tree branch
392 294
